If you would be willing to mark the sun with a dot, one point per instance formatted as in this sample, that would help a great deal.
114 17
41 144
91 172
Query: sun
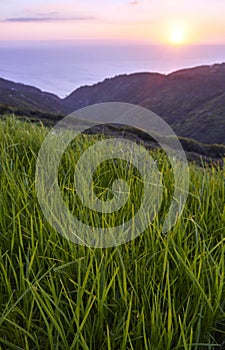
177 35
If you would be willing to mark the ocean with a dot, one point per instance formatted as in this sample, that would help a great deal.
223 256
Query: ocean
60 68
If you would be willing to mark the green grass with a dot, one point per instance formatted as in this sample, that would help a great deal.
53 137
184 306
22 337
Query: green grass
154 292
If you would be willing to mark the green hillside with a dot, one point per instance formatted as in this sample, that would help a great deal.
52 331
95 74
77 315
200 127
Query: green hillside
155 292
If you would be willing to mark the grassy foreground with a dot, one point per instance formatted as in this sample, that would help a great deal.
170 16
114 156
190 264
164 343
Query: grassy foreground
155 292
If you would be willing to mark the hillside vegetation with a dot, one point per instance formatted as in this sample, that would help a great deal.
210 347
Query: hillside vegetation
192 100
154 292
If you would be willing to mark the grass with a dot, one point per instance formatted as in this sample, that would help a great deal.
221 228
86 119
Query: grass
154 292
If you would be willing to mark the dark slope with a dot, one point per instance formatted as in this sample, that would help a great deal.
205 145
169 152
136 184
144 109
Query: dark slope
192 101
206 122
133 88
172 95
28 98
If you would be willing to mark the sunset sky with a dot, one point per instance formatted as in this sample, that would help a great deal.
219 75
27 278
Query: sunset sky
153 21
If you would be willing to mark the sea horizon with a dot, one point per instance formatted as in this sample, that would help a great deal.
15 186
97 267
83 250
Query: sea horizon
62 67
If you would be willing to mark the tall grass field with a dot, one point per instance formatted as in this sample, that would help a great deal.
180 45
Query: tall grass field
158 291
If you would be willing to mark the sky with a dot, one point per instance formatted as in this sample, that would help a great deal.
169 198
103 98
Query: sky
175 22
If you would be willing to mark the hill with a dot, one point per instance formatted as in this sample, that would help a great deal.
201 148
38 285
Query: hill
27 98
192 100
157 291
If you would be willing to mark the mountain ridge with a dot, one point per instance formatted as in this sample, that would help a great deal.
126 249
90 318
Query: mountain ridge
190 100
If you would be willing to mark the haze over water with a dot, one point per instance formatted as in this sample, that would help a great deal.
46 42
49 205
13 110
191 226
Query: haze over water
60 67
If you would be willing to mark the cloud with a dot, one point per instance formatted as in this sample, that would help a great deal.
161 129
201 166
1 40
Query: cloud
45 19
43 14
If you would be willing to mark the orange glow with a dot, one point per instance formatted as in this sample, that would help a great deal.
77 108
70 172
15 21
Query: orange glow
173 32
